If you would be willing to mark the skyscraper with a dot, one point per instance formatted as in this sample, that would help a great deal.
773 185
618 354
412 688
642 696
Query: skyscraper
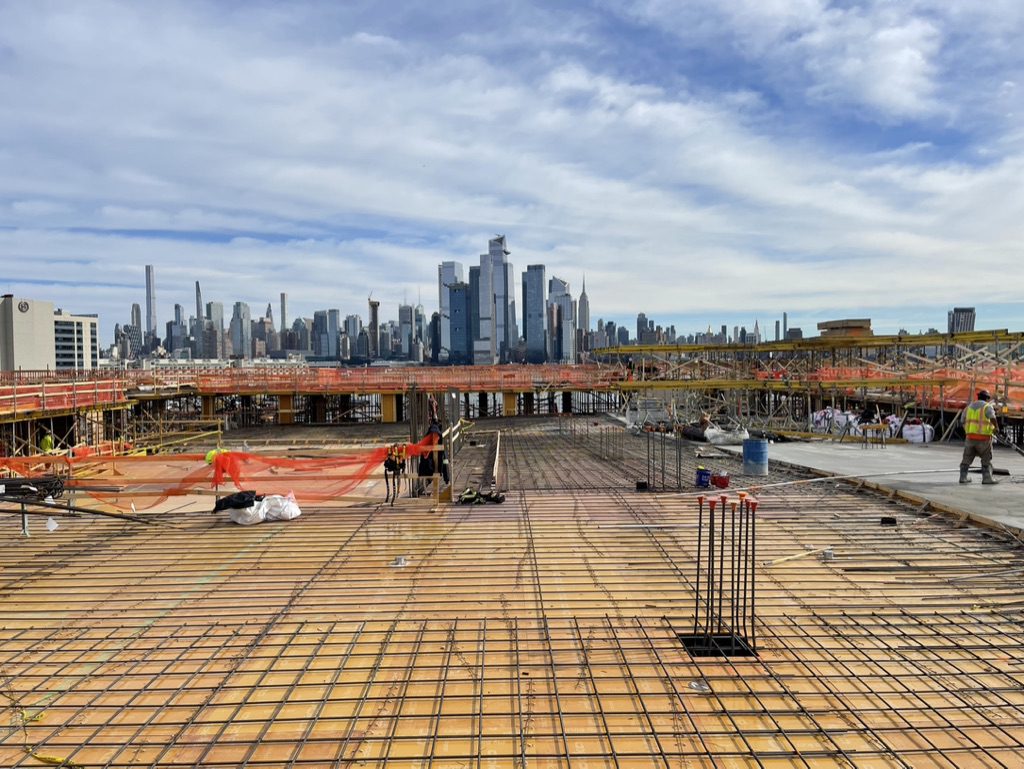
284 311
447 274
506 330
353 325
241 331
583 309
484 348
534 313
461 338
405 328
321 335
199 305
374 329
136 315
561 325
150 301
960 320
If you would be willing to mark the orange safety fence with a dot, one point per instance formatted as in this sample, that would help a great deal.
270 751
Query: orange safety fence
143 482
57 396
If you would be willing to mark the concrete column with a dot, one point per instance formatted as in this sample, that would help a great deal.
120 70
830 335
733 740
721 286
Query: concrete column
508 406
209 408
389 408
285 409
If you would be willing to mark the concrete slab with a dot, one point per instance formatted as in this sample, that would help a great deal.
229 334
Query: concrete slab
925 471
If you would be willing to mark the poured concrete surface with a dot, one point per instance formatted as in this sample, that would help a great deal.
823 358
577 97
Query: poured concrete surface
928 471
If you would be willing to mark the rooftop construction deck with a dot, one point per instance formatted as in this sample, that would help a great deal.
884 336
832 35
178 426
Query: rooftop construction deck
542 632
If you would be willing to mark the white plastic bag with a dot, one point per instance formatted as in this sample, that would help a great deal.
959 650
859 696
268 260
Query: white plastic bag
278 508
247 516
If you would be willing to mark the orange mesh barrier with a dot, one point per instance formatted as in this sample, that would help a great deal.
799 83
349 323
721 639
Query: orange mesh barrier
59 396
147 481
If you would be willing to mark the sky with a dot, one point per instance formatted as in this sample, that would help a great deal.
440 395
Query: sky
699 161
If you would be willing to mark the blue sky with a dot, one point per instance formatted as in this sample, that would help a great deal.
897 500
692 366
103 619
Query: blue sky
703 162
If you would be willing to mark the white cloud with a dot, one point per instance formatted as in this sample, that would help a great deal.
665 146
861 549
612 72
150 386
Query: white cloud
329 161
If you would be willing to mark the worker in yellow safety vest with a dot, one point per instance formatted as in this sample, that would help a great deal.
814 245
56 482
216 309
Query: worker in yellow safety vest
979 421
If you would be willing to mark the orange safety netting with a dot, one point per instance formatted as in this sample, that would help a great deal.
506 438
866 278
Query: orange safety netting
143 482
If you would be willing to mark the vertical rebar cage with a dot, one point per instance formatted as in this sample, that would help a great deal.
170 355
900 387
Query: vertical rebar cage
724 595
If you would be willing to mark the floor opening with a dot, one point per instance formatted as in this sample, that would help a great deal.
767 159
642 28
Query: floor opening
725 645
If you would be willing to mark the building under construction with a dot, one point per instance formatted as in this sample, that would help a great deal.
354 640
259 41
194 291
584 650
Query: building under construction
587 606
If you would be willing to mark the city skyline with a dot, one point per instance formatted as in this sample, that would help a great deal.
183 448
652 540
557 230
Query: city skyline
702 163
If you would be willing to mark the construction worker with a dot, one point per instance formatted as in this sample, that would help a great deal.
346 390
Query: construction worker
979 421
394 463
212 455
46 444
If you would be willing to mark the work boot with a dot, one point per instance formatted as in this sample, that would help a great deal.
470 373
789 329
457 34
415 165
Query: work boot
963 475
986 476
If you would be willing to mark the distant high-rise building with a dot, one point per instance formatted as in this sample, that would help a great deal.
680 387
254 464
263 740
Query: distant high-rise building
461 335
136 315
334 332
284 311
214 342
960 320
534 313
150 301
353 325
199 304
241 331
176 335
362 348
447 274
505 327
583 309
269 316
419 323
26 334
777 328
497 334
321 338
474 303
583 320
435 336
405 328
641 326
623 335
374 329
785 326
300 334
484 346
561 325
75 341
179 314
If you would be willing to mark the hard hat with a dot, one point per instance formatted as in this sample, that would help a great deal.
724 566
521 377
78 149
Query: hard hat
983 395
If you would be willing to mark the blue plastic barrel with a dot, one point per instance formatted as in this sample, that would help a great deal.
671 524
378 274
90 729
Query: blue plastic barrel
755 456
703 478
